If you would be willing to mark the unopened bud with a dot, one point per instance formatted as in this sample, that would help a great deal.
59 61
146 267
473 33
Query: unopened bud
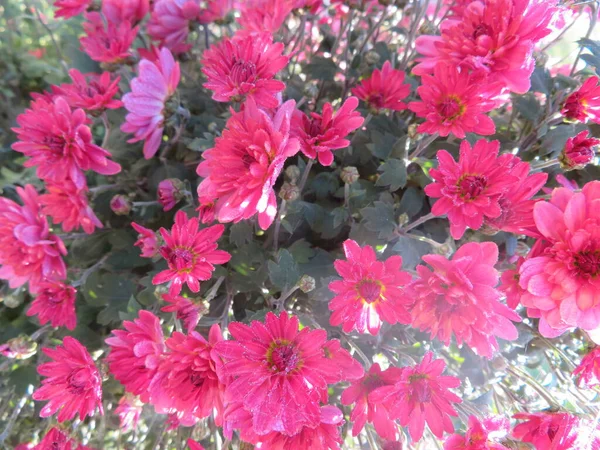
412 131
21 347
306 283
289 192
293 173
170 192
120 205
12 301
579 151
349 175
403 219
372 57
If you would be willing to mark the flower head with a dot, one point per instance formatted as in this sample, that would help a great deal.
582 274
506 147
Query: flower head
279 373
69 206
28 251
470 190
241 169
136 353
150 90
241 67
70 8
73 386
483 434
193 445
264 16
547 430
132 11
459 297
147 241
421 395
216 11
493 37
55 303
370 292
344 366
120 205
563 280
185 310
170 192
366 410
107 42
92 92
588 370
191 253
59 142
21 347
319 134
129 411
384 89
170 23
579 151
453 101
55 439
584 103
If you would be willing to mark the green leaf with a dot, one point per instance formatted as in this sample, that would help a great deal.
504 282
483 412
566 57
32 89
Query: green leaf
380 218
284 273
302 251
133 308
393 174
411 251
412 201
321 68
382 144
109 290
240 233
23 377
528 106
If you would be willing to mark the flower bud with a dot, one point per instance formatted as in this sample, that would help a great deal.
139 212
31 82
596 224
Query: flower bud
21 347
306 283
293 173
349 175
578 151
412 131
289 192
120 205
403 219
311 90
170 192
372 57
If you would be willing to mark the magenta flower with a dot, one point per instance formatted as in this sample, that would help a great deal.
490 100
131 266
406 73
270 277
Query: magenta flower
263 16
278 374
55 303
459 297
191 253
584 103
370 292
129 411
73 386
55 439
70 8
185 310
69 206
136 353
470 190
344 366
241 169
59 142
384 89
91 92
28 251
563 279
588 370
193 445
215 11
366 410
509 285
421 395
485 434
107 42
453 101
150 90
579 151
147 241
132 11
120 205
319 134
548 430
170 23
170 192
242 67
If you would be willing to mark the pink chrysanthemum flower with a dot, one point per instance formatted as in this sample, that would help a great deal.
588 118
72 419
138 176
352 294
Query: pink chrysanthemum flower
74 384
132 11
421 395
91 92
241 169
547 430
367 411
588 370
170 23
242 67
216 11
21 347
147 241
453 101
191 253
483 434
170 192
384 89
187 380
579 151
59 142
69 206
129 411
371 291
279 373
509 285
150 90
193 445
263 16
136 353
28 251
493 37
185 310
345 367
469 190
325 436
107 42
564 280
70 8
319 134
55 303
584 103
459 297
55 439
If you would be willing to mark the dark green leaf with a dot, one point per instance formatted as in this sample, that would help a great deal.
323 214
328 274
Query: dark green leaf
22 378
321 68
284 273
380 218
393 174
241 233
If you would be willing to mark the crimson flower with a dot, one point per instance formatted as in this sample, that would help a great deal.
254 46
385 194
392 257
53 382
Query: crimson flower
70 8
579 151
191 253
370 292
91 92
170 23
483 434
55 303
73 386
384 89
107 42
584 103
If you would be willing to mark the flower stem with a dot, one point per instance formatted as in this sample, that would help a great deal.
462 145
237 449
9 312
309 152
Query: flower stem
417 222
106 130
90 270
305 175
13 419
544 164
423 144
280 215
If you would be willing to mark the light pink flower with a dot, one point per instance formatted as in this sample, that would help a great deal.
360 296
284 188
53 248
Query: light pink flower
458 297
150 90
319 134
384 89
147 241
242 67
73 386
191 253
70 8
91 92
421 395
129 411
584 103
136 353
107 42
170 23
371 291
579 151
485 434
185 310
59 142
241 169
55 303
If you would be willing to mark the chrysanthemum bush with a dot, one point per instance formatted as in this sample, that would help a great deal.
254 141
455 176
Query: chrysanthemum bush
299 224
